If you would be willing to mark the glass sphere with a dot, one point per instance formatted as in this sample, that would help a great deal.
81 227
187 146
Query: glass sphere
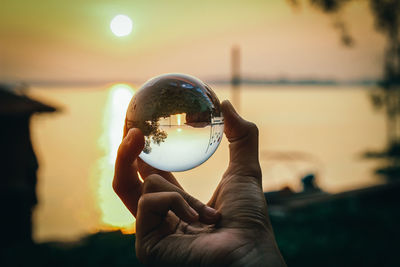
181 119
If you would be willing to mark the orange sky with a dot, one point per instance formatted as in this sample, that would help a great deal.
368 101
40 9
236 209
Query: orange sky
71 40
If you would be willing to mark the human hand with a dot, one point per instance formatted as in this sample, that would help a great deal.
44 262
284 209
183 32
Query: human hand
174 228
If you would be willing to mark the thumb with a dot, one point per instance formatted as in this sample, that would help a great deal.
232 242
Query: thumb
243 142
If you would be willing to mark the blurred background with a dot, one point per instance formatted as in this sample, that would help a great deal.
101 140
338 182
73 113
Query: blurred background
319 78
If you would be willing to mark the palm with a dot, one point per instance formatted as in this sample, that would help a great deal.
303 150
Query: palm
227 241
197 244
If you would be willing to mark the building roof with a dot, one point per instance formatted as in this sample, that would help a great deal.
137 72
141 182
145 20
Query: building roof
12 103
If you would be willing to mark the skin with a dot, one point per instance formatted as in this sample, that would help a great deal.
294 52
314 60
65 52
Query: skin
175 229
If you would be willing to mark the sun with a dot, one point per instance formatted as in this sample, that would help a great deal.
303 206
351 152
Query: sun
121 25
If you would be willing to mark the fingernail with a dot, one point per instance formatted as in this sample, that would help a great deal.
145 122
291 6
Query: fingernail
130 133
210 212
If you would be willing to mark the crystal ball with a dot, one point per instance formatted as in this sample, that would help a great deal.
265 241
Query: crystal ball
181 120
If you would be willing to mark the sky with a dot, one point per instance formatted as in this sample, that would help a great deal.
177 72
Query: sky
71 41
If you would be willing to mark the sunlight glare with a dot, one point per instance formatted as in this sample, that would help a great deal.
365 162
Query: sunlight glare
178 118
113 212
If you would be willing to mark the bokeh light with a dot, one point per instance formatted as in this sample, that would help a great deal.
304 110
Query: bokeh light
113 212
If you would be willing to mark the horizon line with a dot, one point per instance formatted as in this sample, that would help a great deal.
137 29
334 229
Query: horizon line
223 81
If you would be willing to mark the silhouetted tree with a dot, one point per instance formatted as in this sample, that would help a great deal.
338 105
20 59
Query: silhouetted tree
386 14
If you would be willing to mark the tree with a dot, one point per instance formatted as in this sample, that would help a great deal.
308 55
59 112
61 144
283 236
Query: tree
386 15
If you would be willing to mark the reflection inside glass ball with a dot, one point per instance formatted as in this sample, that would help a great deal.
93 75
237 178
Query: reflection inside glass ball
181 119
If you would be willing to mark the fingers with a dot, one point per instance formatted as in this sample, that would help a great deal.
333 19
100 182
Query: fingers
147 170
243 138
156 183
126 182
153 208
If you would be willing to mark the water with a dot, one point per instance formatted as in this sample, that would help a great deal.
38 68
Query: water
323 130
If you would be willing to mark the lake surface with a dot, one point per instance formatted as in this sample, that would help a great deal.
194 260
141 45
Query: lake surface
320 130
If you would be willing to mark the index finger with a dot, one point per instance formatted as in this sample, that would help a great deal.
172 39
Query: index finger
126 182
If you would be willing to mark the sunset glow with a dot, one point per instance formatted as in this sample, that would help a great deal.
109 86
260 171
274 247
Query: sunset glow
113 212
73 54
275 40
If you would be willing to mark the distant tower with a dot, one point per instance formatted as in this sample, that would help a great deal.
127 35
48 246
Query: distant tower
235 79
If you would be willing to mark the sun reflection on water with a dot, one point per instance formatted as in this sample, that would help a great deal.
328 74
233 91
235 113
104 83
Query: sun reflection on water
113 212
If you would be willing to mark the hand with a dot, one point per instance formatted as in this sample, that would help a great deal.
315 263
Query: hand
174 228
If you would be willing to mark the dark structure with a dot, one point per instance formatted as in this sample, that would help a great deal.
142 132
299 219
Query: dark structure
18 166
354 228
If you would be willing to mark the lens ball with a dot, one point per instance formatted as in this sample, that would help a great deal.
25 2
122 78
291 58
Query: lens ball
181 119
